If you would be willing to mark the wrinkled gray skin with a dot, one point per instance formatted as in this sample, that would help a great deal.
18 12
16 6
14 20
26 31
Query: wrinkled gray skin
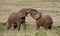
17 18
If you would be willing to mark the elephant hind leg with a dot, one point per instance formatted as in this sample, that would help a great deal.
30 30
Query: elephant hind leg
38 26
46 26
18 26
8 26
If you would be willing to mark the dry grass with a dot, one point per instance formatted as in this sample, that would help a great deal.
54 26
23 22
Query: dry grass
52 8
30 31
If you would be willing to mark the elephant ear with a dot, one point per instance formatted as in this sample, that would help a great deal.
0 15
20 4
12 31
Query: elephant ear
37 16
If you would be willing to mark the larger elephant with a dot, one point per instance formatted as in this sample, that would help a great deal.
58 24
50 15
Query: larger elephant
17 18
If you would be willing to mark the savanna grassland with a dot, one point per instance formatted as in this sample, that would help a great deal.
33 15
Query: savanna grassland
50 7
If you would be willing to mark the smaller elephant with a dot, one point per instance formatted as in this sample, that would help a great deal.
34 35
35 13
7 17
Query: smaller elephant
16 19
42 20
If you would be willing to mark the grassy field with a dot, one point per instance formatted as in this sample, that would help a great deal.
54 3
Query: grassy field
30 31
50 7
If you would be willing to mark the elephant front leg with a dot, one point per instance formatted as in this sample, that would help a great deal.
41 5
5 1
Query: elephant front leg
24 26
38 26
8 25
45 26
18 25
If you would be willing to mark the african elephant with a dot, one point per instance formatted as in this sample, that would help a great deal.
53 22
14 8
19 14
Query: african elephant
42 20
16 19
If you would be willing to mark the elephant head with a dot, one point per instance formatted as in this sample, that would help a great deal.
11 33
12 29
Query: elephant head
35 14
25 11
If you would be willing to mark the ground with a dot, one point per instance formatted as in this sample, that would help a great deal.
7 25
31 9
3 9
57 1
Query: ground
43 6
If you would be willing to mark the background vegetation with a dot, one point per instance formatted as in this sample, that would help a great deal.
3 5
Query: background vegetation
50 7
